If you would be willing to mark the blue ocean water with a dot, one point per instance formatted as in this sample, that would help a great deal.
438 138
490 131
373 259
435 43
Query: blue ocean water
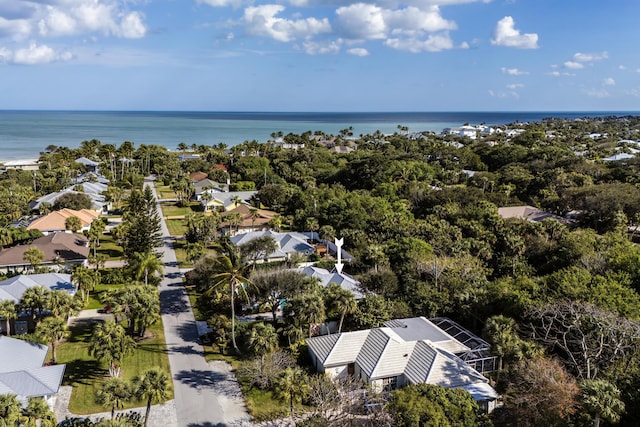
24 134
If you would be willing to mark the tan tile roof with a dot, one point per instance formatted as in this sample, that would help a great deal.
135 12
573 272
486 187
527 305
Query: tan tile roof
56 220
64 246
264 216
197 176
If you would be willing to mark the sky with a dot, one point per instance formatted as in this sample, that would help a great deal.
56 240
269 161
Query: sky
320 55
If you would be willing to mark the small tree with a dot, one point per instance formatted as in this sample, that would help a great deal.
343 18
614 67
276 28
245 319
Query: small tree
38 413
8 312
34 256
602 399
73 223
291 386
114 394
10 410
110 343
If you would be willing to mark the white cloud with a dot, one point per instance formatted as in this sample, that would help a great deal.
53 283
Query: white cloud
358 51
412 19
590 57
560 74
132 26
37 54
222 3
433 43
573 65
513 71
313 48
262 21
515 86
17 29
505 34
609 81
622 67
597 93
361 21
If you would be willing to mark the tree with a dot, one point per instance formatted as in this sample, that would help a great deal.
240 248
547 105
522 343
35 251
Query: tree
539 392
587 338
63 305
139 304
153 386
501 334
75 201
306 309
147 263
114 394
34 256
10 410
373 311
34 301
259 247
275 286
141 222
230 272
8 312
291 386
262 340
73 223
602 399
86 279
431 405
98 227
52 330
340 300
38 413
110 343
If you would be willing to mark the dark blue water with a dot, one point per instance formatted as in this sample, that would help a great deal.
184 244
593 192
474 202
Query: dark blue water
24 134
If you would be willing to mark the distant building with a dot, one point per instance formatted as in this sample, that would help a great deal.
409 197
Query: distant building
529 213
25 164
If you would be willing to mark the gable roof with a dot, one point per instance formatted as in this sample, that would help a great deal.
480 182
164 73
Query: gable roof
327 277
197 176
287 242
225 198
13 288
64 246
421 328
264 216
87 162
21 370
528 213
56 220
98 200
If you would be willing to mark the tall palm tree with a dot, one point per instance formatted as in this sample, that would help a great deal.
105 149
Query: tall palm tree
500 331
153 386
110 343
86 279
147 263
6 237
263 340
114 394
10 410
33 256
8 312
343 301
255 214
602 399
291 386
63 305
231 273
52 330
276 223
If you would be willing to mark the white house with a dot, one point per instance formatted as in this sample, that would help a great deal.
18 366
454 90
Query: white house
407 351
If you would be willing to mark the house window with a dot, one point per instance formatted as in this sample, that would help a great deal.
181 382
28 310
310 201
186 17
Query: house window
390 383
351 368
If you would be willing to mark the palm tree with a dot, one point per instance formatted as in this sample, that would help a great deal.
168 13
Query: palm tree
343 301
255 214
291 386
114 394
153 386
73 223
95 232
307 309
500 331
263 340
38 413
86 279
602 399
110 343
8 312
62 304
34 301
33 256
52 330
10 410
230 272
147 263
6 237
276 223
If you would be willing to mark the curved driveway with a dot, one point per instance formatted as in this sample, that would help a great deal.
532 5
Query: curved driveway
206 394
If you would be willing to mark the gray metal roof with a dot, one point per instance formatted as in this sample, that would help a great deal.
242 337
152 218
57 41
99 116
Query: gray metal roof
13 288
16 355
322 345
421 328
371 351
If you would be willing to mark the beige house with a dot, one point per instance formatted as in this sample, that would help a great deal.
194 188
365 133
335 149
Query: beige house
56 221
247 222
61 252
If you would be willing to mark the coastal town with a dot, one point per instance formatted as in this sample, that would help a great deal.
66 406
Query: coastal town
483 276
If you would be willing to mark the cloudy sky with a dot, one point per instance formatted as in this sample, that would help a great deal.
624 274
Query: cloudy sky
320 55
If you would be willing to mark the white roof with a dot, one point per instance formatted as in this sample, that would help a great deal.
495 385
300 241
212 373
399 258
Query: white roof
13 288
287 242
327 277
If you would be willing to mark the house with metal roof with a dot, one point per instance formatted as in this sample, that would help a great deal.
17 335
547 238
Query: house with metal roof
405 351
288 244
327 277
22 372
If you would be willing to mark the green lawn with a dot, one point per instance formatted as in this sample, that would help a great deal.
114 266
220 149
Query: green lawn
165 192
177 227
94 296
109 247
172 209
86 375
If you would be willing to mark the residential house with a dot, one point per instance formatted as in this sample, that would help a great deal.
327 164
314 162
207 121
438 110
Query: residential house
61 251
288 244
247 221
529 213
326 277
198 176
13 288
56 221
208 186
24 164
95 191
224 201
405 351
89 164
22 372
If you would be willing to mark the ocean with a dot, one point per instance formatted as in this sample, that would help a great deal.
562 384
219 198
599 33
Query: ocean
24 134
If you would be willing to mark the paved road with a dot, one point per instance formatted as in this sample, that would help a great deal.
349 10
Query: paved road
206 394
